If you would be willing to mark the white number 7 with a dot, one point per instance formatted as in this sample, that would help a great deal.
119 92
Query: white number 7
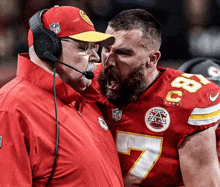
151 148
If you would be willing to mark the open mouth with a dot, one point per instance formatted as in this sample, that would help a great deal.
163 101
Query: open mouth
112 83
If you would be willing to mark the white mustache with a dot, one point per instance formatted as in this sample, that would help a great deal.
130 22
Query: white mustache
91 67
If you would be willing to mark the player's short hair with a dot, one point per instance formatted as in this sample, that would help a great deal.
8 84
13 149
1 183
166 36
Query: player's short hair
138 19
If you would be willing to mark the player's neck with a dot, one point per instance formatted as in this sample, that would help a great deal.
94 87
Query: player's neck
150 79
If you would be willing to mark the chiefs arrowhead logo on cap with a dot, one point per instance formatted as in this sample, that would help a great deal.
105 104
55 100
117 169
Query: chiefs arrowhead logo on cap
85 17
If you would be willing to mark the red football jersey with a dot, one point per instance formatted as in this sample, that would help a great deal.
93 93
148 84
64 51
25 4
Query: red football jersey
218 142
148 132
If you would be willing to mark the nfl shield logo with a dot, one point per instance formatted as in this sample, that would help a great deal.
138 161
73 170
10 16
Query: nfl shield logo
116 114
55 27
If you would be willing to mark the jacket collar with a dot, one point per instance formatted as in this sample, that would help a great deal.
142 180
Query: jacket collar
44 80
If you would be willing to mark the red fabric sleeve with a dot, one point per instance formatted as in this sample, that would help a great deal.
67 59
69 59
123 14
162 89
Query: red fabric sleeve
14 160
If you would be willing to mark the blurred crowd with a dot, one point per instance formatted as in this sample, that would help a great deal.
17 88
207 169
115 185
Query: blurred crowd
190 28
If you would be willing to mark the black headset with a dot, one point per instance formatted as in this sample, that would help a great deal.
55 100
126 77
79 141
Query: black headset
44 40
47 42
188 65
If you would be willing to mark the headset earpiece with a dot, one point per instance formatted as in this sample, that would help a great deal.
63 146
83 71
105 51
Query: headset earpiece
44 40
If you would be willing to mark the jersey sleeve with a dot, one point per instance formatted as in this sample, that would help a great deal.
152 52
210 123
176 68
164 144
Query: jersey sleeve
14 159
218 142
207 110
205 114
199 100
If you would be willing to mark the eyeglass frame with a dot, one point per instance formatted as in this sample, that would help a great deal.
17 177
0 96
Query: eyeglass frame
89 46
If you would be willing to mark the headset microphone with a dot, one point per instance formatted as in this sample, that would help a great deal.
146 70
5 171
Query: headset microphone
87 74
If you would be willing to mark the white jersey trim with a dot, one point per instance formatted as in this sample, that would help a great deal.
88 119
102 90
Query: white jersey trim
204 116
206 110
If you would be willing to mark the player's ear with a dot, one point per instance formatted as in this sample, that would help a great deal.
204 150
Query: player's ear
154 57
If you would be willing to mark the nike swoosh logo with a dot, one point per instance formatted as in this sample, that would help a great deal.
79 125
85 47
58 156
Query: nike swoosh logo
213 98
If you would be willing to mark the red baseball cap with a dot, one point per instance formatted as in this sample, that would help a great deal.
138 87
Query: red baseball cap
68 21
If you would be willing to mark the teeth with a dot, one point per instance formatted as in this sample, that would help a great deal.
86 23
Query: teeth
112 85
112 82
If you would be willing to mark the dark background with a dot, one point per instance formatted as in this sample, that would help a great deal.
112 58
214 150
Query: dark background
190 28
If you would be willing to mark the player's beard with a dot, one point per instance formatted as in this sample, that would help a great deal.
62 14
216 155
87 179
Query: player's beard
128 90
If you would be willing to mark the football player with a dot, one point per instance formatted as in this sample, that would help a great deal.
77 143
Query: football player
163 120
